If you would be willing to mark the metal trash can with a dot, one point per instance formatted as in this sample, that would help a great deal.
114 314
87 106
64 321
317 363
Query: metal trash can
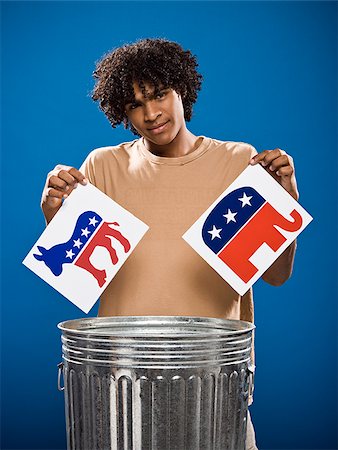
160 383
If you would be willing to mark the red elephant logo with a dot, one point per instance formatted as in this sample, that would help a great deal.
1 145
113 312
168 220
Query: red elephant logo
240 224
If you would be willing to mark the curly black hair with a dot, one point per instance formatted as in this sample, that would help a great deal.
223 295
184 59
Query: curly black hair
159 62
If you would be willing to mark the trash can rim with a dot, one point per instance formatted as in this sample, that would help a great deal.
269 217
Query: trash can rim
99 325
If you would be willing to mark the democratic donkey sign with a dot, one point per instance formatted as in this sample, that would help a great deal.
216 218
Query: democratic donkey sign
247 228
85 245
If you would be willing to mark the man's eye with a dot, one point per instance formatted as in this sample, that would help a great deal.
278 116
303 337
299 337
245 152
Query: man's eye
133 105
160 95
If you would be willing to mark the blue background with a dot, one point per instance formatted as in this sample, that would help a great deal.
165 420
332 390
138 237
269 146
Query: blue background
270 72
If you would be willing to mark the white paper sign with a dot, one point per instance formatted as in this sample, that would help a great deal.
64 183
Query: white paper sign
85 245
247 228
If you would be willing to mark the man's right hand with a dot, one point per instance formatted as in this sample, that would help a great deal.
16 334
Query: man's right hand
61 181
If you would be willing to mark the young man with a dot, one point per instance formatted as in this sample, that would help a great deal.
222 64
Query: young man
167 178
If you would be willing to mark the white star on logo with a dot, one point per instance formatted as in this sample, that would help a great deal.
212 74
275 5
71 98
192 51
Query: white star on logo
230 216
70 254
245 200
77 243
215 232
85 232
93 221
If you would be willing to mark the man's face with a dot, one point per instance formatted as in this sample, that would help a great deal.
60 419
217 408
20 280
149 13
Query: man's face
158 119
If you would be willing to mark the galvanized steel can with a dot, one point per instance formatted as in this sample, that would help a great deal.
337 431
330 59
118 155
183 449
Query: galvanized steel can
159 383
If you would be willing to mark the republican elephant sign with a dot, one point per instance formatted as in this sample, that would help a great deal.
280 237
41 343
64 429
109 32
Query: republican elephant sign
247 228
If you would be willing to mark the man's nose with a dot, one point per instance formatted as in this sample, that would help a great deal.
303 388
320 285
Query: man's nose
152 111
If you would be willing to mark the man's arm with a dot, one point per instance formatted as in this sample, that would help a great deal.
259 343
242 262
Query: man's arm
281 269
280 166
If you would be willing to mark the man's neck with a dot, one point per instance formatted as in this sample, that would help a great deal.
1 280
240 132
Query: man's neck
185 142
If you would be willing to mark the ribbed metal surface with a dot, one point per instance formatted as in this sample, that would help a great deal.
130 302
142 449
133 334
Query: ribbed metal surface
160 383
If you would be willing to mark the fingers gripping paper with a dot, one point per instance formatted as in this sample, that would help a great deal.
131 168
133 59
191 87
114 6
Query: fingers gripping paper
247 228
84 246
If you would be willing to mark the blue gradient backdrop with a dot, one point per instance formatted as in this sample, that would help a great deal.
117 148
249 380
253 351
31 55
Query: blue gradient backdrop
270 73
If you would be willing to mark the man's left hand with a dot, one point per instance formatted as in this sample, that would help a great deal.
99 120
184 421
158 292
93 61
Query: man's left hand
279 165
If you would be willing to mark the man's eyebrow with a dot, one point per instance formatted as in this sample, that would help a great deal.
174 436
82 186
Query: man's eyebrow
164 88
128 101
149 95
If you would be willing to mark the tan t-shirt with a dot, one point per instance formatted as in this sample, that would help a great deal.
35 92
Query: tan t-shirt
164 275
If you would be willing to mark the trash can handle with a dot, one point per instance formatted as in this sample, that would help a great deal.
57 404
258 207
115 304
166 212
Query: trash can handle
251 369
60 373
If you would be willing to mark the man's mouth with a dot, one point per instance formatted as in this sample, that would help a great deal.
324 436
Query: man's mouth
158 128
